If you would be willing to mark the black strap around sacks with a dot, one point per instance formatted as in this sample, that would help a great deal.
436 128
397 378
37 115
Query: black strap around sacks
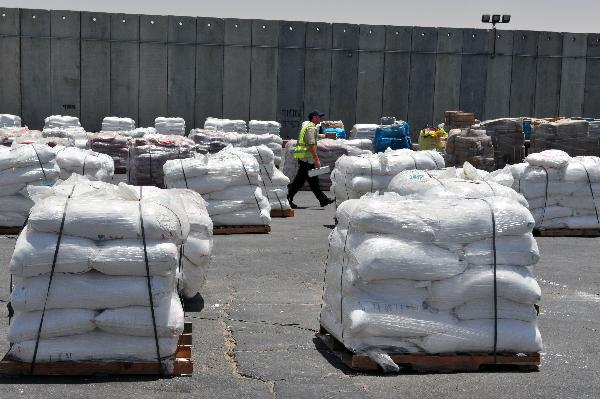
40 162
249 182
54 259
436 179
270 180
414 160
592 192
149 282
371 169
342 277
495 280
182 168
545 197
150 156
83 166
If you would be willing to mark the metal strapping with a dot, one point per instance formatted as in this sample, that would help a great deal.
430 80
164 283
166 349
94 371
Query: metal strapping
249 182
592 192
182 168
495 280
40 162
54 259
270 179
149 283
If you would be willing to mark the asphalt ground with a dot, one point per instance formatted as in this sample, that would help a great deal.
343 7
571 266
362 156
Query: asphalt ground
254 331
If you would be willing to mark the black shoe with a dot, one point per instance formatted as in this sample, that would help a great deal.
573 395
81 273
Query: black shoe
327 202
292 205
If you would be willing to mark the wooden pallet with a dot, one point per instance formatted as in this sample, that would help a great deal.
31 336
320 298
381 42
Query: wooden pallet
567 233
223 230
182 364
282 213
437 363
11 230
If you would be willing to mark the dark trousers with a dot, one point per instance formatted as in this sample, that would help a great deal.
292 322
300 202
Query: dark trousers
301 177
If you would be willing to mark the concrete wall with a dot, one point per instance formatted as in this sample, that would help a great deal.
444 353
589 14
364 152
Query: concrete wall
92 65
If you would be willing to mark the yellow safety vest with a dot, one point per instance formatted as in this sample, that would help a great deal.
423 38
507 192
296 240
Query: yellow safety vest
301 151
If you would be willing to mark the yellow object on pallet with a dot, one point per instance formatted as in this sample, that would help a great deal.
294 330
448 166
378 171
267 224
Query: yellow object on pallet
432 139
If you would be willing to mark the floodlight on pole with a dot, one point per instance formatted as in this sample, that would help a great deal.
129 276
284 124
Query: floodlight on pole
495 19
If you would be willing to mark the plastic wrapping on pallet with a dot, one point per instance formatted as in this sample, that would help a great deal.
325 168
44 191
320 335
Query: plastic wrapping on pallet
363 131
147 156
170 126
229 182
419 276
226 125
563 192
354 176
264 127
114 124
329 152
103 280
10 121
60 121
113 144
88 163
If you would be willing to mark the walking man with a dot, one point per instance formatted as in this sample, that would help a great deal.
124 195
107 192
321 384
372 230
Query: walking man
308 158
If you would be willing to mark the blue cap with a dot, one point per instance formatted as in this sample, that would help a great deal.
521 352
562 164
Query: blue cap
315 112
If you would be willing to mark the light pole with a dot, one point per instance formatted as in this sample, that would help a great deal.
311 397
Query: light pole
495 19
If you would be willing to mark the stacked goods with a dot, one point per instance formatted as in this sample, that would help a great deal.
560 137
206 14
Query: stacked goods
594 127
329 152
21 167
96 276
508 140
208 141
195 253
94 165
228 181
332 125
562 192
114 124
264 127
432 277
148 154
571 136
10 121
432 139
226 125
61 122
212 141
394 136
470 145
354 176
273 182
363 131
9 135
458 119
170 126
138 132
113 144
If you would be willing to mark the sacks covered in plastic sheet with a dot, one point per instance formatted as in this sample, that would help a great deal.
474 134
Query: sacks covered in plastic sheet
563 192
75 136
148 154
228 181
60 121
17 134
364 131
114 124
11 121
226 125
418 276
264 127
274 182
113 253
170 126
89 163
21 167
113 144
354 176
329 152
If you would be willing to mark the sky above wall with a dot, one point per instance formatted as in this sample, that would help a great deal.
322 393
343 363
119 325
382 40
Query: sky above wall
550 15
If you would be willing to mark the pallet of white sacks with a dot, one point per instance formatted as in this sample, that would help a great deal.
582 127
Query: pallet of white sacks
422 362
567 233
225 230
181 364
282 213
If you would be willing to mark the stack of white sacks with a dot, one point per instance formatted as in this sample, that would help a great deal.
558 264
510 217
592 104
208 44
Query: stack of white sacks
417 276
60 121
170 126
88 163
229 182
264 127
363 131
67 127
10 121
274 182
115 124
226 125
98 306
21 167
562 191
354 176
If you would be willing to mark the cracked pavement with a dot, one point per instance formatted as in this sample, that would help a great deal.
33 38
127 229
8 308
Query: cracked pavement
254 337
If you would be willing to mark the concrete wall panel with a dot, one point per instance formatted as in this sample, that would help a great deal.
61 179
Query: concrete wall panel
572 82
